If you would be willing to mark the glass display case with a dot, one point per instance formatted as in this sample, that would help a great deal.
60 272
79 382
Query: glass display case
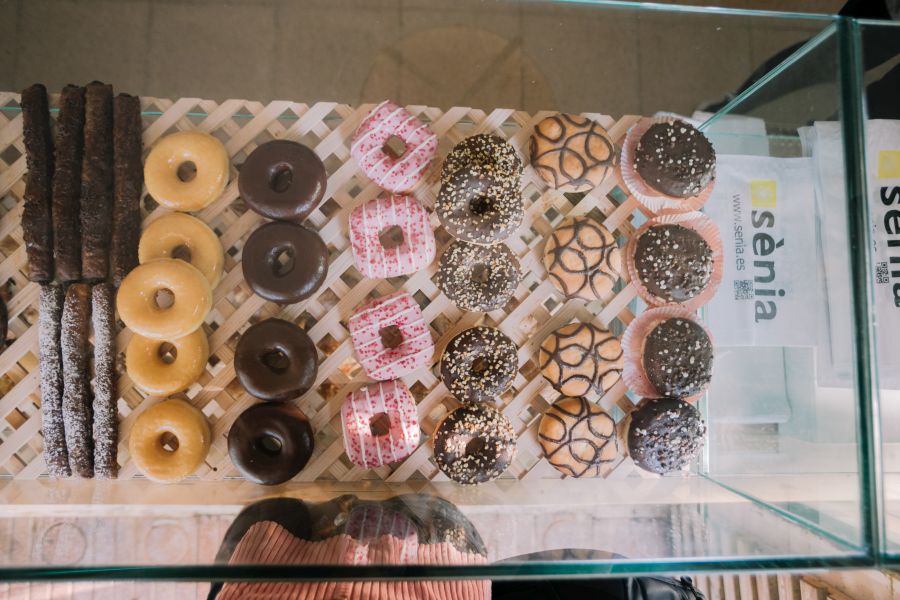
789 475
878 51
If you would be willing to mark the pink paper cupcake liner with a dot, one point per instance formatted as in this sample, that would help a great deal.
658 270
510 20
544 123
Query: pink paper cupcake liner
654 200
707 229
633 373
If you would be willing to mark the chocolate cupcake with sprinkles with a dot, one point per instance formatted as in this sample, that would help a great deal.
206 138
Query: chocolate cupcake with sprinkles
668 165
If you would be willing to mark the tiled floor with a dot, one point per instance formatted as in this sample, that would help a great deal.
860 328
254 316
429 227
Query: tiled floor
485 54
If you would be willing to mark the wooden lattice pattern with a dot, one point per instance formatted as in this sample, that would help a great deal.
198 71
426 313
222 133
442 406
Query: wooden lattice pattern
536 310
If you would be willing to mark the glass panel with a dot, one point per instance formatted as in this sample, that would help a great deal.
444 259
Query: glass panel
778 483
879 45
783 407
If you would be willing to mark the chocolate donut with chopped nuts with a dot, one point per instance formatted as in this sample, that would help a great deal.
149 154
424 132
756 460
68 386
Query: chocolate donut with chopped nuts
479 364
473 444
478 278
489 153
474 206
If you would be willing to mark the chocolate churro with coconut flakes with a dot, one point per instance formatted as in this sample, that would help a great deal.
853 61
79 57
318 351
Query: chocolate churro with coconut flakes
76 403
106 423
50 358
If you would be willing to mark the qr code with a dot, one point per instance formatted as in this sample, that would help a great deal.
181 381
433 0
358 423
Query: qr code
743 289
881 273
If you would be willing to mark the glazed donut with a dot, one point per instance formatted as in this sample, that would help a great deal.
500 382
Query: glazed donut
165 176
156 427
140 308
283 180
479 364
391 235
491 154
270 443
478 278
380 424
276 360
292 281
390 336
475 207
473 444
181 236
163 367
370 150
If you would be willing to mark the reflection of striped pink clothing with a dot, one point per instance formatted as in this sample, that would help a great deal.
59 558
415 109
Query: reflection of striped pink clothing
269 543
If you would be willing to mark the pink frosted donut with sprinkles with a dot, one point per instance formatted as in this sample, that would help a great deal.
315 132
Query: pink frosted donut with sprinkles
390 336
391 235
381 424
392 170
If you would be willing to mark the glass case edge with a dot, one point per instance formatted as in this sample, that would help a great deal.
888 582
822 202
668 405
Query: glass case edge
497 571
705 10
850 69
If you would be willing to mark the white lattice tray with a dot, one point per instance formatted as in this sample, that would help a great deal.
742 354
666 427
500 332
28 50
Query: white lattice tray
537 308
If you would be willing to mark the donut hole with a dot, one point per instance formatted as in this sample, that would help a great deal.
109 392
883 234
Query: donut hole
475 447
481 274
164 298
392 237
167 353
391 336
380 424
186 171
480 206
282 261
281 177
268 445
277 361
394 147
168 441
181 252
479 365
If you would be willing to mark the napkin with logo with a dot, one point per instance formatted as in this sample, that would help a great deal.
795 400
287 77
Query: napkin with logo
765 210
883 189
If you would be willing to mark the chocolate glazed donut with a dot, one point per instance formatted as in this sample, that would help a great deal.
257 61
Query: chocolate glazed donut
283 180
276 360
284 262
270 443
